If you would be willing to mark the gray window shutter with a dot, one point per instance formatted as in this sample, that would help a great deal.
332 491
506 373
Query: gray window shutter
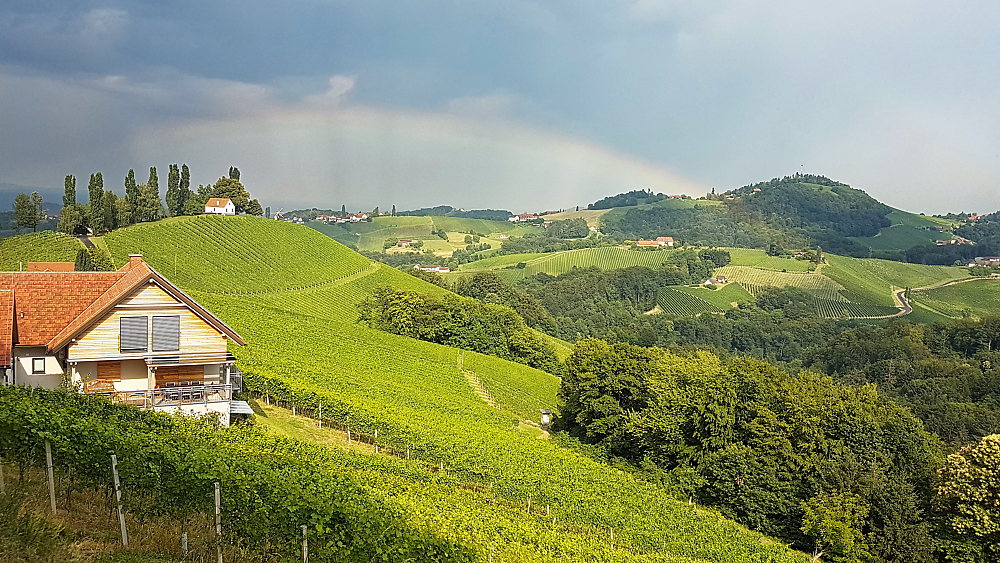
166 333
134 334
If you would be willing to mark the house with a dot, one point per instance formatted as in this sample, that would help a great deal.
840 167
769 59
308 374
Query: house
130 335
522 218
755 190
986 261
220 206
503 237
712 282
665 241
51 266
721 279
404 243
432 268
678 196
647 244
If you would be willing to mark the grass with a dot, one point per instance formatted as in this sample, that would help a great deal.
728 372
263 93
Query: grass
46 246
723 298
299 323
907 230
974 298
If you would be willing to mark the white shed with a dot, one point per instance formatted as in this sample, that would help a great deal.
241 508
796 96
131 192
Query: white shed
220 206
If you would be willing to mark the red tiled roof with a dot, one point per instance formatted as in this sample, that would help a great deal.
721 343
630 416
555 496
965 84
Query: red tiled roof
45 302
50 308
51 266
217 202
6 326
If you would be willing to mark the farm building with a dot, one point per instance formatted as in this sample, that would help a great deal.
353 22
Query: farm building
668 241
220 206
128 334
432 268
403 243
647 244
522 218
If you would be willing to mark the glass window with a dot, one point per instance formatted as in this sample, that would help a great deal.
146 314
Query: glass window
37 365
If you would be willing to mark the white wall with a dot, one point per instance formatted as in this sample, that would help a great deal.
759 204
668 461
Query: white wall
23 367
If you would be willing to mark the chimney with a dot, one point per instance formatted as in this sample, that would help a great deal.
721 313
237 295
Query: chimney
134 260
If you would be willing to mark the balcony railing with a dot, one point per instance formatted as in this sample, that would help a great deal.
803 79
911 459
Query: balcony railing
173 396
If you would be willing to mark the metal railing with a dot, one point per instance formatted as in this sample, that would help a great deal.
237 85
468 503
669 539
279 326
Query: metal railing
173 396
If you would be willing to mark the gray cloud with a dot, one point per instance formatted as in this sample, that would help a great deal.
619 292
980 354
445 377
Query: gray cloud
896 99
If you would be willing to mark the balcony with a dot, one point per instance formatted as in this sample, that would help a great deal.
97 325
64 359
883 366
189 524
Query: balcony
172 396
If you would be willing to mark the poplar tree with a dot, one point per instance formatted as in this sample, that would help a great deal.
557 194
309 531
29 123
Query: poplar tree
185 188
174 205
69 195
95 200
127 210
234 173
343 211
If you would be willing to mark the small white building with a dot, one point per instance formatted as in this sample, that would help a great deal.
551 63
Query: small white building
220 206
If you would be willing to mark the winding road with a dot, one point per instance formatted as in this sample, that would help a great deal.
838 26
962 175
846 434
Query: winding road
906 309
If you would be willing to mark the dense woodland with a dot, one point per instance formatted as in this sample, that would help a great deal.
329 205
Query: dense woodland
636 197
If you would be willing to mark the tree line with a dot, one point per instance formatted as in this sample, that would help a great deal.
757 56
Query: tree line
105 210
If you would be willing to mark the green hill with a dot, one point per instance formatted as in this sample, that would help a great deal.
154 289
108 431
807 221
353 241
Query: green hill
371 236
291 292
906 231
46 246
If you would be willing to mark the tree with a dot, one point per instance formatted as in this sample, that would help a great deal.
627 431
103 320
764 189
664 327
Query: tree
122 211
95 201
234 173
232 188
174 204
343 211
834 521
73 220
185 188
253 208
393 210
109 205
25 212
132 200
969 495
375 212
69 195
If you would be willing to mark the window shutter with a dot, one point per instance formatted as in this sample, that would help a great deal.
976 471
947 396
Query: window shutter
134 333
166 333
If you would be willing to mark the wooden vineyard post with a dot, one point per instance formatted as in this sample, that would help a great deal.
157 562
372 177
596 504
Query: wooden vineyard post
321 416
118 498
218 523
267 399
529 505
491 552
305 544
547 507
184 543
612 538
376 440
407 454
293 410
51 477
3 489
348 434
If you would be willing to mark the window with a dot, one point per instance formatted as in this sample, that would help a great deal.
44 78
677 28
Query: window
166 333
37 365
134 334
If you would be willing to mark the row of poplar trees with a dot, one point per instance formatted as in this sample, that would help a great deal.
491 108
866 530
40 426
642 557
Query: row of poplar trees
105 211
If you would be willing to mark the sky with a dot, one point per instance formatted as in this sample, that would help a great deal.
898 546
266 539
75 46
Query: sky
517 105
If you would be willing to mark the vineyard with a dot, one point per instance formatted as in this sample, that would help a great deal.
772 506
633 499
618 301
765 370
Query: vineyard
46 246
975 298
555 263
723 297
681 304
305 349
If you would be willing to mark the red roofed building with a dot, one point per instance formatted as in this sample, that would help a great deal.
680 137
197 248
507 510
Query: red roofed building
220 206
129 334
669 241
51 266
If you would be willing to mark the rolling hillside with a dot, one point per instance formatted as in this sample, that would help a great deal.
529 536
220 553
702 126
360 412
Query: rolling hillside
46 246
294 301
907 230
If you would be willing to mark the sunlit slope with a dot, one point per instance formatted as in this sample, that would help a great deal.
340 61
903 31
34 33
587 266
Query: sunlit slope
304 346
235 254
907 230
46 246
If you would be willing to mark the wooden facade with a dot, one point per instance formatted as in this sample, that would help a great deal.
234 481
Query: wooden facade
103 339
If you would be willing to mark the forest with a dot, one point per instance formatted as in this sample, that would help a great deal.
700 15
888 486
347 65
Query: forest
628 199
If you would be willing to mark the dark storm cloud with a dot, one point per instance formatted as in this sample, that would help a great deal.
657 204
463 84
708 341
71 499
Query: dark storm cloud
895 98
